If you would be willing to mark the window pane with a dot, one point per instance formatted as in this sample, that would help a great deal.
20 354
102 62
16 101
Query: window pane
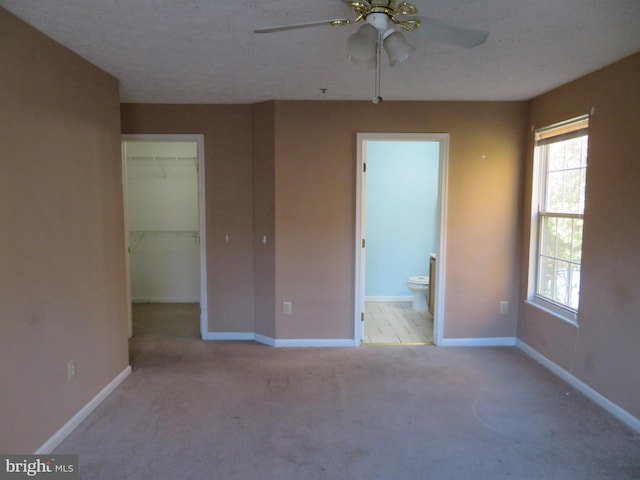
565 191
571 190
574 286
565 175
560 255
573 152
548 244
576 241
561 278
546 277
564 234
555 183
556 157
583 175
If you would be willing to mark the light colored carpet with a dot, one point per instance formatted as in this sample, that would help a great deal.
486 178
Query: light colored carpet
239 410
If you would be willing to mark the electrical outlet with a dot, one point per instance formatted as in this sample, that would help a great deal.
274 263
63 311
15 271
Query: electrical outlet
286 308
504 307
71 370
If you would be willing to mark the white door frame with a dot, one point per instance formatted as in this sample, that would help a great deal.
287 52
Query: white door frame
199 140
127 263
361 187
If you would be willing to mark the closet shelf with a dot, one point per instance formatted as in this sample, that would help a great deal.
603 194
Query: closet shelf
165 233
137 237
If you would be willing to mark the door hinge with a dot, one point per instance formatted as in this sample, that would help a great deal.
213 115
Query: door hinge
363 243
362 316
364 168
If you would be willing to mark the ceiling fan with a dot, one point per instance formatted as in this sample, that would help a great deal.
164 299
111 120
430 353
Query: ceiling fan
383 22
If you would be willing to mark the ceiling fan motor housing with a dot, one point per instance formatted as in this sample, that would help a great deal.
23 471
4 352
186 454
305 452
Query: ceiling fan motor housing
385 15
378 20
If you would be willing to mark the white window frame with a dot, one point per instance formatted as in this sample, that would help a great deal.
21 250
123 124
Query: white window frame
558 132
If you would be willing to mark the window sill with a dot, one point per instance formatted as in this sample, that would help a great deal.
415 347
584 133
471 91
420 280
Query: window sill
561 313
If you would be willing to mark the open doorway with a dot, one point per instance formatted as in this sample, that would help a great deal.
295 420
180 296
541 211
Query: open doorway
164 211
400 228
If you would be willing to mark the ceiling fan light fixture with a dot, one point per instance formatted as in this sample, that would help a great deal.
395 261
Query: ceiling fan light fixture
397 48
362 45
370 63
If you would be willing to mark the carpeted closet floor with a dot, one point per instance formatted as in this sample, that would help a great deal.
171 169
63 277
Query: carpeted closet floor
240 410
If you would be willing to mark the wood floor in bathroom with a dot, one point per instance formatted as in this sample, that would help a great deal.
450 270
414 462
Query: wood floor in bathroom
396 323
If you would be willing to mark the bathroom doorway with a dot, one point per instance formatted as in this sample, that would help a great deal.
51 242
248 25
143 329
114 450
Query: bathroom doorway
400 219
164 229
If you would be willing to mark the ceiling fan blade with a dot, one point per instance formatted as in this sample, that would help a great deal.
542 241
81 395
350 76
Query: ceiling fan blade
443 32
335 21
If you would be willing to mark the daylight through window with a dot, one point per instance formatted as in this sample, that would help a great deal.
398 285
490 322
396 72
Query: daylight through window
561 161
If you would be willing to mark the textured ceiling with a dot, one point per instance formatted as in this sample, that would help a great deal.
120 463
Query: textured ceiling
205 51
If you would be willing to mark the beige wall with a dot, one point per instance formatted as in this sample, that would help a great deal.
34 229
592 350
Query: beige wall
228 151
62 290
315 189
607 356
302 196
264 222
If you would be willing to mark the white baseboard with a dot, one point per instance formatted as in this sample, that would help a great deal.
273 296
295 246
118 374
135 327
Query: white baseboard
57 438
165 300
265 340
614 409
229 336
315 342
406 298
478 342
273 342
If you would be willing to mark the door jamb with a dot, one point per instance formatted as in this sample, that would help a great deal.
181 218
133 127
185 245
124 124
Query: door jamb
127 253
443 171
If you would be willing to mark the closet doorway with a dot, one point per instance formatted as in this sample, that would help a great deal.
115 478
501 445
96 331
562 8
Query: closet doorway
164 227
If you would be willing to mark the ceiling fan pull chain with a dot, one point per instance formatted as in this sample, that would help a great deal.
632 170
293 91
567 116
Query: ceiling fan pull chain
377 98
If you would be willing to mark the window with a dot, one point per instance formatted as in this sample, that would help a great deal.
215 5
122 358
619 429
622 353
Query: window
560 160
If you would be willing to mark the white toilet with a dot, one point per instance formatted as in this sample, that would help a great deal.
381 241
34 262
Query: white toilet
419 285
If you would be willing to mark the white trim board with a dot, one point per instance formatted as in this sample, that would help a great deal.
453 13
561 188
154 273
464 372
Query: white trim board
229 336
165 300
479 342
347 342
315 342
279 343
265 340
57 438
614 409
